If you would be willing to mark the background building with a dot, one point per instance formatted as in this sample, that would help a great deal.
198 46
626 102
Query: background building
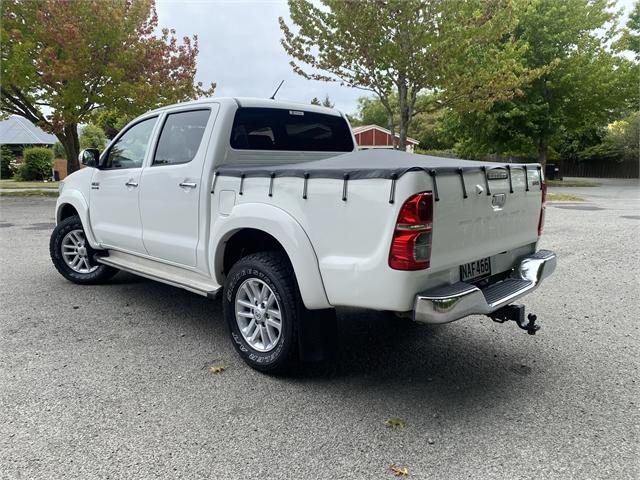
374 136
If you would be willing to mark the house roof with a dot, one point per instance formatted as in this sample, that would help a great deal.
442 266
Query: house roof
17 130
366 128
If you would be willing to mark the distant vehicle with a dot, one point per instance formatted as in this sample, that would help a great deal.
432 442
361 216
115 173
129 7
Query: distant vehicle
269 204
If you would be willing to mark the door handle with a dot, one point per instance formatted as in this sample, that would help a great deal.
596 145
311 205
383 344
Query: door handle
131 183
188 184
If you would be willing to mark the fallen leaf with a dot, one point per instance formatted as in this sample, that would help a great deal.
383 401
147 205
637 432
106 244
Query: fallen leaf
399 471
394 422
217 369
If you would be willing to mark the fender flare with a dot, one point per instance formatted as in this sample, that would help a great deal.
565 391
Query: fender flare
286 230
77 201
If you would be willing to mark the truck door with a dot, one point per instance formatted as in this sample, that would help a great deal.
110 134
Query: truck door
171 188
114 206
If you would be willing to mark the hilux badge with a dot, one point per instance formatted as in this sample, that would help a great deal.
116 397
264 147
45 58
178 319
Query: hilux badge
498 200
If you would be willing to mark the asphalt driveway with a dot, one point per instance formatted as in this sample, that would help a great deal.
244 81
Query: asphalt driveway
113 381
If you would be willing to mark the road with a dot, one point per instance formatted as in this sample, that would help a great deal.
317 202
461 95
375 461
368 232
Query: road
113 381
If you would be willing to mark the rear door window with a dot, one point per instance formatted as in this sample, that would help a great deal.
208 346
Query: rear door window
181 137
281 129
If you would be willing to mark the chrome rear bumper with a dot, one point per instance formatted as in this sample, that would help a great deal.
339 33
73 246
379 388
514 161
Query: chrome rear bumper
452 302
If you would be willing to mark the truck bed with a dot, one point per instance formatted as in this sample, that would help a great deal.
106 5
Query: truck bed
348 206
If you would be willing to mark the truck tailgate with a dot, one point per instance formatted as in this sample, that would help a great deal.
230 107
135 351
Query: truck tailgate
496 216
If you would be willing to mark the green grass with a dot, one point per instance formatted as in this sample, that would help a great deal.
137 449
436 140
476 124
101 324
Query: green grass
563 197
11 183
571 183
30 193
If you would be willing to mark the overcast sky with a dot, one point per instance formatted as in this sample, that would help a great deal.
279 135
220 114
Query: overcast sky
240 49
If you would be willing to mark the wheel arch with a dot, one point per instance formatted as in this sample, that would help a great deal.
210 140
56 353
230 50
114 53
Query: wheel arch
257 227
73 203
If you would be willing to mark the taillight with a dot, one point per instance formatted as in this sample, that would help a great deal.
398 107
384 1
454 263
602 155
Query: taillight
543 207
411 244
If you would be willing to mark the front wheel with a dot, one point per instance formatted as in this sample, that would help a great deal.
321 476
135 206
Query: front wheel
72 255
260 309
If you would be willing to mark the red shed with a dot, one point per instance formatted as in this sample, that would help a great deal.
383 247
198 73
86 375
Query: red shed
374 136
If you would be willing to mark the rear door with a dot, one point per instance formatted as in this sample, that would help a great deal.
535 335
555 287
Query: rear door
171 188
115 218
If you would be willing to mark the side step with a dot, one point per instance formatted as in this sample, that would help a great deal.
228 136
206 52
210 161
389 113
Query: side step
162 272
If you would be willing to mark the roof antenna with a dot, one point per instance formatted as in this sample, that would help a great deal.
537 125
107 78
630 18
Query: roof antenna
272 97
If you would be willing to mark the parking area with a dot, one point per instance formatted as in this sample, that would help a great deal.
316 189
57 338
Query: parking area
113 381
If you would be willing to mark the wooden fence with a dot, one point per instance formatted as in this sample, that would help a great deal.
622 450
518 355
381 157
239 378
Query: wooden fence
627 169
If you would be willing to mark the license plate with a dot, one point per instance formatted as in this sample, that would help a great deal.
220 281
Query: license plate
475 270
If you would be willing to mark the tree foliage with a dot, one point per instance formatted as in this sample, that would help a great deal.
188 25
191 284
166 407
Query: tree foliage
6 159
584 83
621 142
92 136
461 51
75 57
325 103
630 38
427 126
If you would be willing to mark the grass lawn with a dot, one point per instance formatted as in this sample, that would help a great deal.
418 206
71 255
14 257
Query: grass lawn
30 193
563 197
10 183
571 183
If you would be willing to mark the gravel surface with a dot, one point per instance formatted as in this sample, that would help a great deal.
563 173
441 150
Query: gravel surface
113 381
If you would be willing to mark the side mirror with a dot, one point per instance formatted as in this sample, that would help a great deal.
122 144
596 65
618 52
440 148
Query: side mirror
89 157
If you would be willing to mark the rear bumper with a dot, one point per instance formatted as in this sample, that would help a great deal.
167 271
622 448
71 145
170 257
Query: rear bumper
446 304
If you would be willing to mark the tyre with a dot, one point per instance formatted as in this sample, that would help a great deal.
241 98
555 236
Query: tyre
261 309
72 255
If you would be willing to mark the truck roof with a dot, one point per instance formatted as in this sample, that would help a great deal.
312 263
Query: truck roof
253 102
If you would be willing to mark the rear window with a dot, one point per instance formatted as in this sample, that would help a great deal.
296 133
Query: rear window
281 129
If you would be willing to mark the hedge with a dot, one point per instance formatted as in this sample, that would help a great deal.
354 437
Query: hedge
37 164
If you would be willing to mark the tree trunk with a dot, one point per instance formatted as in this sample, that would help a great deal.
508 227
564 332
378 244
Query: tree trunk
402 106
71 143
407 96
392 128
543 151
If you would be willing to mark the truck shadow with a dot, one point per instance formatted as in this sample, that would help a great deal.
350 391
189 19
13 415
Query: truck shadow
377 352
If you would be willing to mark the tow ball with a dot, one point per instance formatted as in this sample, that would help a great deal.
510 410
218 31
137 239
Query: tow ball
516 313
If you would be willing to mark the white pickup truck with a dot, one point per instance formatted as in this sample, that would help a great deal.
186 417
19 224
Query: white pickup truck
271 205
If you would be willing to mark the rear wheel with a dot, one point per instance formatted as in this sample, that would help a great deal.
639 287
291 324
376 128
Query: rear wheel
260 308
72 255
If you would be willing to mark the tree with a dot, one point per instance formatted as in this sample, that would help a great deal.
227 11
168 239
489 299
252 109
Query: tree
92 136
327 102
426 125
110 120
630 38
450 48
70 58
585 82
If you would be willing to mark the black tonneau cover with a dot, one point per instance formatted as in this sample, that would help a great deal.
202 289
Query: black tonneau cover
365 164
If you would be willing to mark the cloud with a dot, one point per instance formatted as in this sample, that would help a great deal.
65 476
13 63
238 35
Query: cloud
240 50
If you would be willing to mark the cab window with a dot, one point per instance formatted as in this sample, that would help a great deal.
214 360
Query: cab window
181 137
129 150
280 129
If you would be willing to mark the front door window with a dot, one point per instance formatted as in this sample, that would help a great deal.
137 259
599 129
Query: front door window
129 150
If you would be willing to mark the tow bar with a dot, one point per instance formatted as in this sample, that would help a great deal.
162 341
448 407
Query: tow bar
516 313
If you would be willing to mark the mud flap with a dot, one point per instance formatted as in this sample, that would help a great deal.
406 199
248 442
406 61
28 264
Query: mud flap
317 334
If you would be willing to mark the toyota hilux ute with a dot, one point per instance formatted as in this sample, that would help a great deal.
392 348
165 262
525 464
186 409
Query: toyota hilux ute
270 206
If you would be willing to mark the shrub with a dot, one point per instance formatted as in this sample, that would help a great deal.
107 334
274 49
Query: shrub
37 163
7 160
58 151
